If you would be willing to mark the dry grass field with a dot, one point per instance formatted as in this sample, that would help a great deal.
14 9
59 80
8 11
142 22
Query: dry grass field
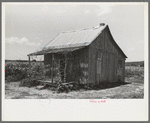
133 89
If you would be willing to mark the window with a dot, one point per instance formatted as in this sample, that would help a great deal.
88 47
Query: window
120 63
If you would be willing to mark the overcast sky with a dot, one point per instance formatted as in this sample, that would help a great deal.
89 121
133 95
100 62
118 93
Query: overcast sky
28 27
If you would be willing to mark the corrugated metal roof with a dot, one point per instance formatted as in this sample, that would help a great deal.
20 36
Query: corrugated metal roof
75 38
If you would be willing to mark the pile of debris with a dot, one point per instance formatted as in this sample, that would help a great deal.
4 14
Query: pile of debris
60 87
66 87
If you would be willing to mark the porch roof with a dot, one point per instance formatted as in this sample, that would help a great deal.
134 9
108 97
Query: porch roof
58 50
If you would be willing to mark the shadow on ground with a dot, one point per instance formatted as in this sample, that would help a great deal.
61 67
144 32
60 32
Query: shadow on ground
110 85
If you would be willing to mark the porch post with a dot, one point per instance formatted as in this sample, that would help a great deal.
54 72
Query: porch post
29 59
65 74
29 66
52 67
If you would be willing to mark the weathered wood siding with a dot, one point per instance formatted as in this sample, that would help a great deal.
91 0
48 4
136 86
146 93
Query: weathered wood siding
48 63
103 59
83 62
77 65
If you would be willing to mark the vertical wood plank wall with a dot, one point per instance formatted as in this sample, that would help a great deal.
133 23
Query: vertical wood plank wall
73 65
110 55
84 66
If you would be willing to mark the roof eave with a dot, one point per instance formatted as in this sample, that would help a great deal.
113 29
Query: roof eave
56 50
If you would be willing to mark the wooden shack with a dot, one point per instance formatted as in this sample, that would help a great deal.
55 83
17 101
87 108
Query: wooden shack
87 56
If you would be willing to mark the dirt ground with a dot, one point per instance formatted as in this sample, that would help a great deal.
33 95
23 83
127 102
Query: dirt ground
134 89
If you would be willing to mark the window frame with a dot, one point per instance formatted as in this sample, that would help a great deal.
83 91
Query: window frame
120 64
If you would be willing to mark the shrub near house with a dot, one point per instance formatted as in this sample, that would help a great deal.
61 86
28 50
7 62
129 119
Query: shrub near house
19 71
15 72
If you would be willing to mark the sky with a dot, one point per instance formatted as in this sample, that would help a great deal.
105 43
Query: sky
29 27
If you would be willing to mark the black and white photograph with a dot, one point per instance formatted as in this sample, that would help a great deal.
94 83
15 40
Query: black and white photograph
93 51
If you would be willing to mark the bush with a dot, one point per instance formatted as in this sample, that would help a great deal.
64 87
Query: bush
132 70
14 78
36 72
9 70
28 82
15 72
